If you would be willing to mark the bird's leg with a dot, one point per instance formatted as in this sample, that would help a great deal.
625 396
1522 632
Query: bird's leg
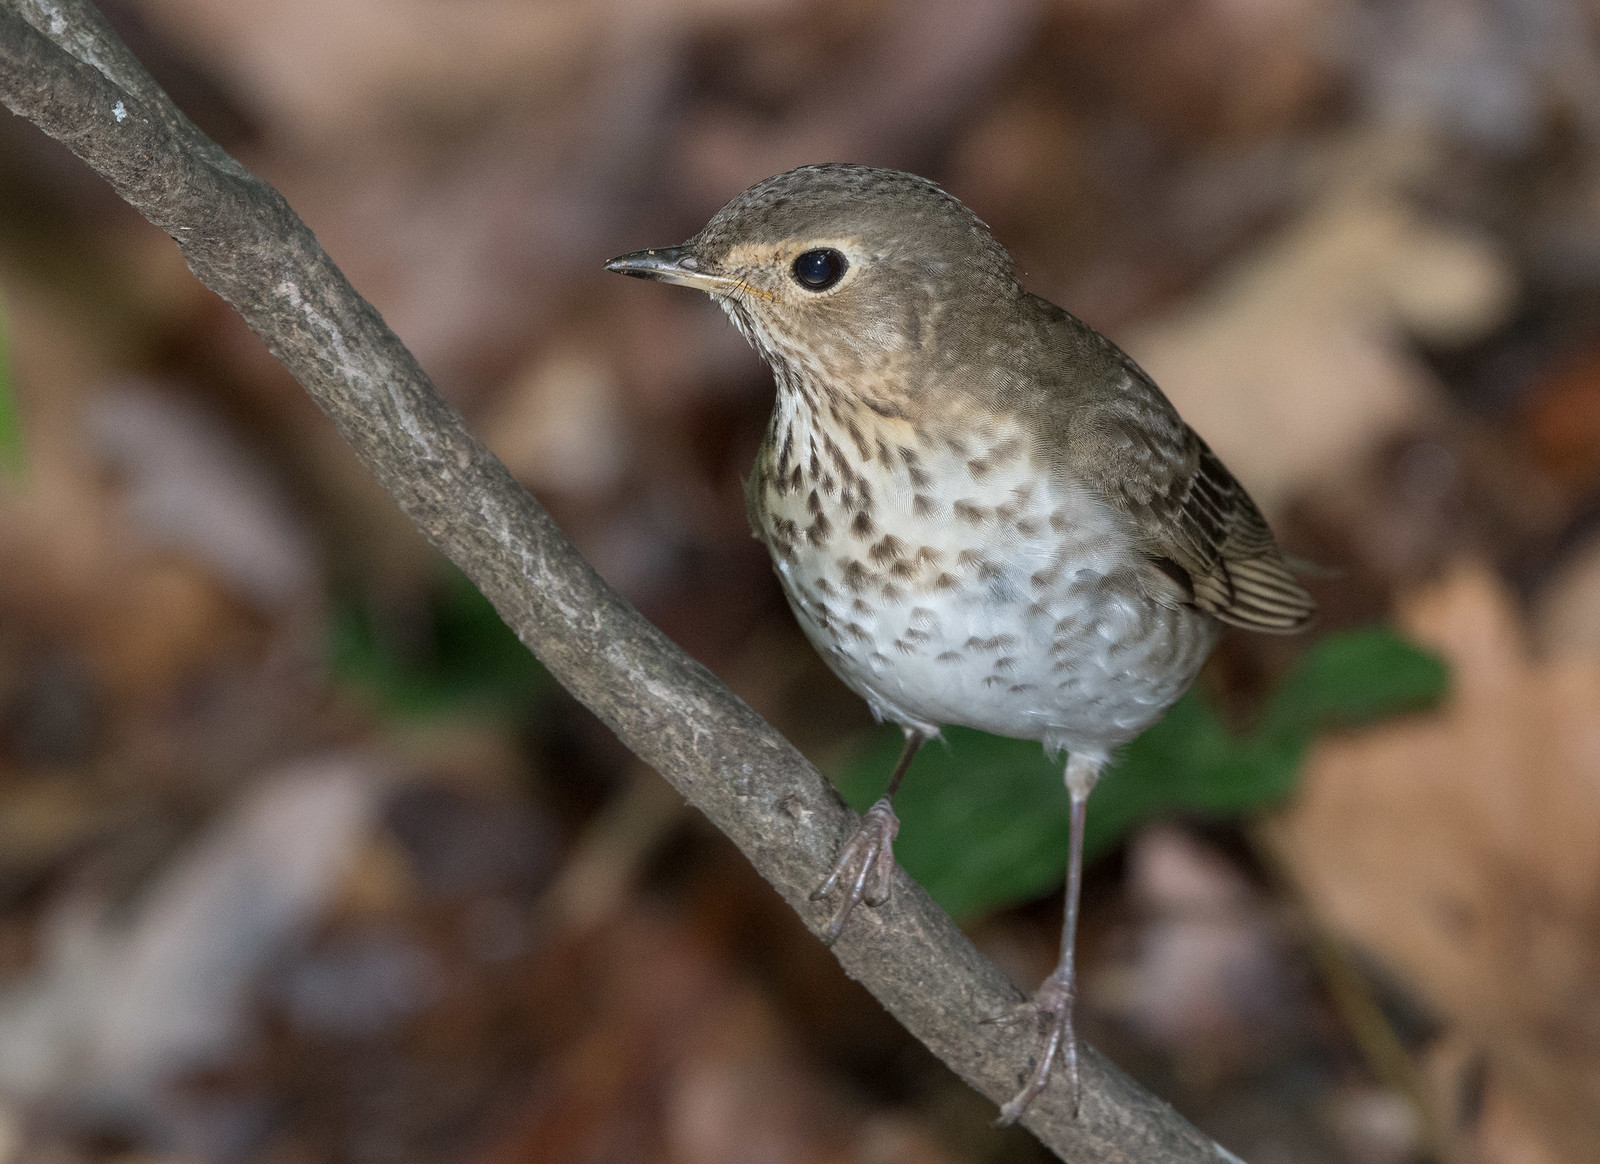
1051 1005
866 863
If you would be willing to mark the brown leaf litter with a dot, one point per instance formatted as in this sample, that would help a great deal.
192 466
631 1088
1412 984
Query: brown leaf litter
1462 849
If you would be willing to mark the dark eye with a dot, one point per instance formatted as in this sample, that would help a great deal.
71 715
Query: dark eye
820 269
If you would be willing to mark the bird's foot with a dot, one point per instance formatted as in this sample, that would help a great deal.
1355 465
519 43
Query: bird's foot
865 866
1050 1011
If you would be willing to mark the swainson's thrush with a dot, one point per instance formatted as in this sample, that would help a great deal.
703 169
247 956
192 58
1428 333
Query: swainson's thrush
981 510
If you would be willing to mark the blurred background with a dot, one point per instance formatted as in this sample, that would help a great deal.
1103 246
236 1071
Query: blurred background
303 859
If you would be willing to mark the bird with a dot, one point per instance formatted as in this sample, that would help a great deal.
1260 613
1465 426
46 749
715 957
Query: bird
981 511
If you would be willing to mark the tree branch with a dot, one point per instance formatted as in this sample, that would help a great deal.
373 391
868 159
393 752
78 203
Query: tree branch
63 68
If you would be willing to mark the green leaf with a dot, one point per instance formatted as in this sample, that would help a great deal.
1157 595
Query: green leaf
463 658
12 463
1354 678
984 819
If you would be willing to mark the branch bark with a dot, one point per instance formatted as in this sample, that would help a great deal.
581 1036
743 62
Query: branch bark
63 68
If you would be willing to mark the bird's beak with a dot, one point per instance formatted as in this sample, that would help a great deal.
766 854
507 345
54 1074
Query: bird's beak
669 265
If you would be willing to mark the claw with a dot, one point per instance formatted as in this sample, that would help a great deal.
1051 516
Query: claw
865 867
1051 1008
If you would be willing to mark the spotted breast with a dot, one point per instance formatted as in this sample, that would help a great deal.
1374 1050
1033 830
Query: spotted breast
948 576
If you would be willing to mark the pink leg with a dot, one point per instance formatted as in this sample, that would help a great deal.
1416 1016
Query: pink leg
1051 1006
866 863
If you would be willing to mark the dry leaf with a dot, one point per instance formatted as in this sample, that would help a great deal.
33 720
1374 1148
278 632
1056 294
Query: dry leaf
191 487
1566 617
1205 978
560 426
1292 361
1463 849
673 1056
119 1006
324 86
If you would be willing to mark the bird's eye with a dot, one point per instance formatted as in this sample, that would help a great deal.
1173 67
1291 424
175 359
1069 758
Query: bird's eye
820 269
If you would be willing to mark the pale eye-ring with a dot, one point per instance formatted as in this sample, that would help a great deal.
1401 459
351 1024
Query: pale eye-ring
819 269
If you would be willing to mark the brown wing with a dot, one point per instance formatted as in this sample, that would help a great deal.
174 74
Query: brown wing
1122 438
1209 527
1192 518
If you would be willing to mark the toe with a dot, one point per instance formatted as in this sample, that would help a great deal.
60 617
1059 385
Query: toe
1013 1109
1051 1009
865 868
854 869
882 876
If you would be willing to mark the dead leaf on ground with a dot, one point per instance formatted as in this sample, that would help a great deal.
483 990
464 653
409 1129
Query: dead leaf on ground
1566 614
1293 360
672 1057
321 88
122 1003
1463 849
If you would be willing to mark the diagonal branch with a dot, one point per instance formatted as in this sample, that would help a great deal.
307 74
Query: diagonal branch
64 69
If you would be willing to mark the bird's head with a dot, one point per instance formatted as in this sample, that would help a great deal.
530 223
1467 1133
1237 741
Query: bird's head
842 271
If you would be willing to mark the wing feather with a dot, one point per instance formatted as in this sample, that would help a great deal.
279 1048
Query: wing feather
1193 521
1206 522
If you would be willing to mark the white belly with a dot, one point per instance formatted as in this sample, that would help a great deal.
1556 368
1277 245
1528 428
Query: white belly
996 612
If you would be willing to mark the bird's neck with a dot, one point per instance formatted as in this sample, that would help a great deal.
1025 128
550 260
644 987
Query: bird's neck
824 431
